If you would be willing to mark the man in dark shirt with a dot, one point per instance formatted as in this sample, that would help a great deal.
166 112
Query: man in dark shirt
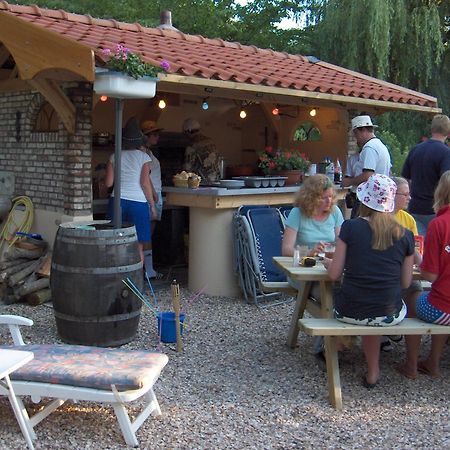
423 167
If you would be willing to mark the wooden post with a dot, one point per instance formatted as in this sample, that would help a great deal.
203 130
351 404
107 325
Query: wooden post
175 288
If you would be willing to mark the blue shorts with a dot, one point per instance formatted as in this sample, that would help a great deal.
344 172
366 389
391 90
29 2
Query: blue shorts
427 312
136 213
159 206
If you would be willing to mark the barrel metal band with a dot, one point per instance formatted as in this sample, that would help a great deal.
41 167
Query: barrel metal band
96 319
97 240
98 270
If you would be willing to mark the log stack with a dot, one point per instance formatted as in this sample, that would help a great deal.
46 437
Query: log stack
25 274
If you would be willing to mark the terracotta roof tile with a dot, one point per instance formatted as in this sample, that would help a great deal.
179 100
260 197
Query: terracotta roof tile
197 56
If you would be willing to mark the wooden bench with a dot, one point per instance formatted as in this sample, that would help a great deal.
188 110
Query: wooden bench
330 328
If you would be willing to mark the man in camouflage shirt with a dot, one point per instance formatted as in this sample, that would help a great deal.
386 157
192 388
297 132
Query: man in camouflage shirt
201 156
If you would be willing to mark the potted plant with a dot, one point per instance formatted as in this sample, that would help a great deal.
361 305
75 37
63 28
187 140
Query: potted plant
126 75
289 163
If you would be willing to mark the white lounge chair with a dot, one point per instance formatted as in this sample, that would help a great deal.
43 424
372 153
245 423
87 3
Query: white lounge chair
72 372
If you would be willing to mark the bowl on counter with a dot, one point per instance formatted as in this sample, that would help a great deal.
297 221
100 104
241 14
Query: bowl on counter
232 184
258 182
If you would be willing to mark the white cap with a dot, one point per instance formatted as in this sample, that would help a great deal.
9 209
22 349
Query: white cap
362 121
190 125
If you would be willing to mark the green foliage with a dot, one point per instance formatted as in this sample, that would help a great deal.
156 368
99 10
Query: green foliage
398 154
121 59
275 160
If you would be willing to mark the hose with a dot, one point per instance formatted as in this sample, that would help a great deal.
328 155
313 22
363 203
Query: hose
11 226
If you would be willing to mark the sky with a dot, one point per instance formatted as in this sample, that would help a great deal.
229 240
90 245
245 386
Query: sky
284 24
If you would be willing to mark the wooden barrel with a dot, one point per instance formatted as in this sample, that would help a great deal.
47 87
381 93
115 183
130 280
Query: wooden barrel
92 305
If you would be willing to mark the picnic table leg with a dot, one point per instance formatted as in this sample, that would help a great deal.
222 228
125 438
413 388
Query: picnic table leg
299 310
334 379
326 299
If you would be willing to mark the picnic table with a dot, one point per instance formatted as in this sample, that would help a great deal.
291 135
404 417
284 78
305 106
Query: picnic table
307 275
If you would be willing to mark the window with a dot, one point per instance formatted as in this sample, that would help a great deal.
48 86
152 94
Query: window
46 119
307 131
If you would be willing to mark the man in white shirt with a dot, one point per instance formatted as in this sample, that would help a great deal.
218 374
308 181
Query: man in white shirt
373 158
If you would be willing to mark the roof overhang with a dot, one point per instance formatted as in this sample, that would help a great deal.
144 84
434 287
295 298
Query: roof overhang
36 50
272 94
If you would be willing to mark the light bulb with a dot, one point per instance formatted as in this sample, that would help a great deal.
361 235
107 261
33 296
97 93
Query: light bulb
205 105
275 111
313 112
103 98
161 104
242 114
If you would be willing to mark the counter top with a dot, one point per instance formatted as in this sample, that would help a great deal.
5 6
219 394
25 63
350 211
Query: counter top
222 198
222 192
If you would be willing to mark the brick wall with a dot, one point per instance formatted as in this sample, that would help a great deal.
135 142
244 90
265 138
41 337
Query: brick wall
52 168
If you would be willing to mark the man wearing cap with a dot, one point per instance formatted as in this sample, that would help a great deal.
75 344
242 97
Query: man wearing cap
423 167
201 155
374 156
151 131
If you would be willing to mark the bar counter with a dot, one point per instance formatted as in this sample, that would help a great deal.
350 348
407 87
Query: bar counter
210 230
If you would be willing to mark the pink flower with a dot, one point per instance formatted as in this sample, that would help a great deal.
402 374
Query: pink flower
165 64
106 52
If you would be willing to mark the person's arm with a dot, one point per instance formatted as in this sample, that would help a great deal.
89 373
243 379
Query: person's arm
335 266
147 187
288 243
355 181
109 176
428 276
406 271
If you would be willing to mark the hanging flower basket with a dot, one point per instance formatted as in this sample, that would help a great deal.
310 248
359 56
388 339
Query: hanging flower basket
120 85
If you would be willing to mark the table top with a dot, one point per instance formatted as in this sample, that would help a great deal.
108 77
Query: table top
316 273
11 360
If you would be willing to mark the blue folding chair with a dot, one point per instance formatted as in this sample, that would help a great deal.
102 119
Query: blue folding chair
258 234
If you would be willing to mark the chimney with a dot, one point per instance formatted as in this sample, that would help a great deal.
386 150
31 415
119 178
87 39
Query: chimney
166 21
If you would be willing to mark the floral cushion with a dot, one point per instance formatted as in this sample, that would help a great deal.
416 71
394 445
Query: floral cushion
90 367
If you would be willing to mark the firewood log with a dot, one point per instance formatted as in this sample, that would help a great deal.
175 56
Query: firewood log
17 277
14 253
39 297
7 264
37 285
5 274
45 267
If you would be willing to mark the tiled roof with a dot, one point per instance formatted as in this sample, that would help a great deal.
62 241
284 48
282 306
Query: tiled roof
216 59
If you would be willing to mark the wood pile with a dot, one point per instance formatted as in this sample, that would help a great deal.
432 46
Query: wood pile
25 274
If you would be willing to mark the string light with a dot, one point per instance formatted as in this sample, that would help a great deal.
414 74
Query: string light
275 111
242 114
313 112
103 98
162 104
205 104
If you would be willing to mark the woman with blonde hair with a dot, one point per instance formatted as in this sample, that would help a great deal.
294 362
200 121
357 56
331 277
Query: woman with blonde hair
433 306
373 252
315 218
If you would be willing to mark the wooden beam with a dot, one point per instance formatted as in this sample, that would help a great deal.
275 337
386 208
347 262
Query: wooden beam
57 98
4 55
36 49
14 85
272 94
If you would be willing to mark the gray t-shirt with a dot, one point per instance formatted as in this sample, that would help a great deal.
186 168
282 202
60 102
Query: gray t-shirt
371 284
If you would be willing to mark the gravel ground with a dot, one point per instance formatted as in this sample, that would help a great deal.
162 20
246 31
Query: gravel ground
238 386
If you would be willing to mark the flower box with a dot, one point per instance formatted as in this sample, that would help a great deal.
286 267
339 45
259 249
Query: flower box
119 85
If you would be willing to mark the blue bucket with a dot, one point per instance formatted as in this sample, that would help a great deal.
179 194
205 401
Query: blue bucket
167 326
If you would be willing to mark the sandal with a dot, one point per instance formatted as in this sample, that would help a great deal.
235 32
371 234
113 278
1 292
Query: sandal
368 385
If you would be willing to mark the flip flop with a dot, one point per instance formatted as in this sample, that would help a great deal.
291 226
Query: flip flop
423 369
400 368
